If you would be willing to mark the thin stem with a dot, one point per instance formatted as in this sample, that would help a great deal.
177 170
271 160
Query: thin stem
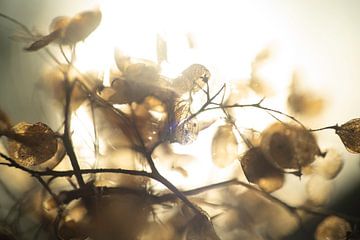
334 127
67 138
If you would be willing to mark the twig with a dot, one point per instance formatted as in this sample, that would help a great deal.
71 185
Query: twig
67 138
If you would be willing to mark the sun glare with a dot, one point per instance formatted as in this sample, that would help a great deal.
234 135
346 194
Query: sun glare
195 32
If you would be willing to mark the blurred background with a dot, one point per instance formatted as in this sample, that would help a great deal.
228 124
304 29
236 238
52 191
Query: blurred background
320 40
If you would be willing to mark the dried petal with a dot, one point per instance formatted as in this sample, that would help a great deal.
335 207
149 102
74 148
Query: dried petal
68 31
349 134
304 102
192 79
260 171
32 144
318 190
184 128
307 104
330 165
224 146
333 228
80 26
122 61
125 91
289 146
141 72
150 118
200 228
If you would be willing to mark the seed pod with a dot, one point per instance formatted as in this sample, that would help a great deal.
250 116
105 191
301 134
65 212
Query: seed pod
289 146
349 134
259 170
183 128
200 228
31 144
224 147
333 228
192 79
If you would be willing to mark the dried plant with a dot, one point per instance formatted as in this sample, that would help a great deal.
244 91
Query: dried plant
139 118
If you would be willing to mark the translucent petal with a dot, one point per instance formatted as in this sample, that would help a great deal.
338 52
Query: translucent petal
224 146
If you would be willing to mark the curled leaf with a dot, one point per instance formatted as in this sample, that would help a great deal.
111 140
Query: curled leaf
333 228
224 147
259 170
32 144
349 134
192 79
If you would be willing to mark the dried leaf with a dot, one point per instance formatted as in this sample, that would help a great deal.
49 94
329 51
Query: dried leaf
32 144
259 170
289 146
224 147
200 228
349 134
333 228
192 79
